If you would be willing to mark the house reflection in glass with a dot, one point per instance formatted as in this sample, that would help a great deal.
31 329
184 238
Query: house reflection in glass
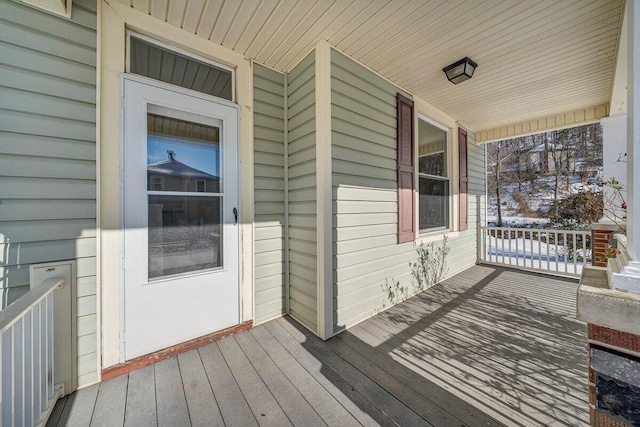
185 233
172 175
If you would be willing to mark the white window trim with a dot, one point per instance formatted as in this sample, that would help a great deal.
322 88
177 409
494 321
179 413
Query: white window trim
435 234
182 52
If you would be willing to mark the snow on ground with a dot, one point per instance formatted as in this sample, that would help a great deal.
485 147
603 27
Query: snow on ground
537 199
517 221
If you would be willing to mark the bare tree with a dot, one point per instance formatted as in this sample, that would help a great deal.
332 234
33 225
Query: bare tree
531 163
498 155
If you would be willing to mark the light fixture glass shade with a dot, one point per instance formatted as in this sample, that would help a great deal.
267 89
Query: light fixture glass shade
460 71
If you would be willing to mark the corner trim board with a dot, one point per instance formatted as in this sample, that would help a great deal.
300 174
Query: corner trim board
324 191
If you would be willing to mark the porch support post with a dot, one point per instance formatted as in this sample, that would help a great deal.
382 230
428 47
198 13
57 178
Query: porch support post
324 190
633 131
628 276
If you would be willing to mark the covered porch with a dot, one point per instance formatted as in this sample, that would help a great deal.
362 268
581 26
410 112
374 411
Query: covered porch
489 346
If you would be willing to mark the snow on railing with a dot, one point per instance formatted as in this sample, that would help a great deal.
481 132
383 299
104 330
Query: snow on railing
560 252
27 393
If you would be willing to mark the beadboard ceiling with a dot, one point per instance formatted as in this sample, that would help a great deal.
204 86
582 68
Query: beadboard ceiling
535 57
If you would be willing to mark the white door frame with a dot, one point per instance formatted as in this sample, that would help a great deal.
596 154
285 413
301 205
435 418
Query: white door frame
161 85
115 19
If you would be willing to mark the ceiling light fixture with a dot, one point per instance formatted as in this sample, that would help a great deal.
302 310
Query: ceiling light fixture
460 71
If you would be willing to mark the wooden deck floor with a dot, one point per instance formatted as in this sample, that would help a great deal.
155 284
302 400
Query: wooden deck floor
490 346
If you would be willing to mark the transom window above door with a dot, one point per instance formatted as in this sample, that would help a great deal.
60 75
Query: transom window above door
170 65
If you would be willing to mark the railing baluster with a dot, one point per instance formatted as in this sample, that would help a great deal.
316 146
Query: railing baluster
555 248
546 242
27 359
49 301
18 384
524 248
566 265
43 356
509 237
7 383
517 251
575 255
37 403
539 252
531 247
502 244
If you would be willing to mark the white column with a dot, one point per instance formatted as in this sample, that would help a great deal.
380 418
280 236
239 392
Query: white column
627 278
324 190
633 130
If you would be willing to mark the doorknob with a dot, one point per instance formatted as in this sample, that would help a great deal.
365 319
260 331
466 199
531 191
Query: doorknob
235 215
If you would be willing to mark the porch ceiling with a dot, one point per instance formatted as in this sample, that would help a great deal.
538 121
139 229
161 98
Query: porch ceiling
535 58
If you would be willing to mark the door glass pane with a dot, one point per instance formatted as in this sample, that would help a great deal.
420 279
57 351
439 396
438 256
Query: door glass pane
184 231
185 234
182 155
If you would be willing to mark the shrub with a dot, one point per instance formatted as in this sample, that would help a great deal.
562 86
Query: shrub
575 210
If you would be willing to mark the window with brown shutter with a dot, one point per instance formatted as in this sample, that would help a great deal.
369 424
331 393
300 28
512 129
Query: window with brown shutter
406 209
463 200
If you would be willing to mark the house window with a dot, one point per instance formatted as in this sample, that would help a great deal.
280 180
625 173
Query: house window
433 177
155 183
201 185
170 65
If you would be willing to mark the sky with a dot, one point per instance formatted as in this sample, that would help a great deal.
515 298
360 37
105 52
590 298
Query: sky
198 155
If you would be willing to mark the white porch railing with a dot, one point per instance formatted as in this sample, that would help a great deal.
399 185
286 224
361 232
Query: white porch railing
560 252
27 392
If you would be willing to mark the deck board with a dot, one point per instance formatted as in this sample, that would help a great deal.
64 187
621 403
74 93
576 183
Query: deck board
110 403
233 406
367 387
297 409
140 410
325 404
170 398
264 406
202 405
57 412
488 347
360 408
78 407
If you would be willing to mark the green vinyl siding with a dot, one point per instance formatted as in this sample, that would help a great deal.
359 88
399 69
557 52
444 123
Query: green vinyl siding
48 155
368 263
268 101
302 193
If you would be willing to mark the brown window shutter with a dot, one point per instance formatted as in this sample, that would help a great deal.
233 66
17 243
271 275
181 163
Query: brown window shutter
406 209
463 200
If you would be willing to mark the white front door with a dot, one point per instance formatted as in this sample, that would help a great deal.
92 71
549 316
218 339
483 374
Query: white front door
180 217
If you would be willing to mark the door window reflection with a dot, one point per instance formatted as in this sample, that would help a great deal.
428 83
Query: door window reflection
182 156
184 230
